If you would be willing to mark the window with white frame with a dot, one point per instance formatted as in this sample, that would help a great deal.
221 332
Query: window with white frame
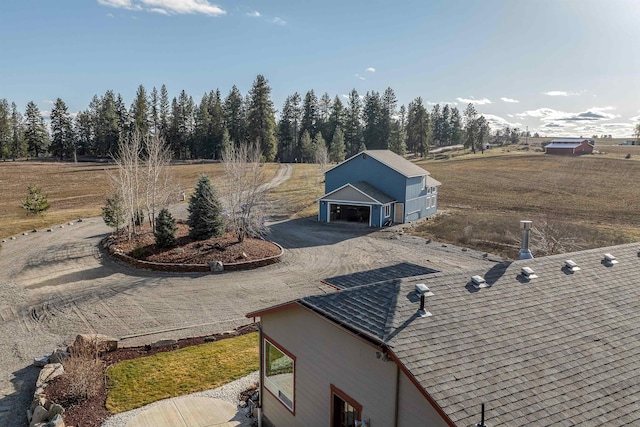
387 211
279 373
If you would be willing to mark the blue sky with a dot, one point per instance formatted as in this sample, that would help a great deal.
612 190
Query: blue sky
559 67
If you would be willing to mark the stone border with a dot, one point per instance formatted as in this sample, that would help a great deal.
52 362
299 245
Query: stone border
191 268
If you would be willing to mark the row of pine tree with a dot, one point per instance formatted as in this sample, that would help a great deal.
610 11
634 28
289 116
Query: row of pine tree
306 126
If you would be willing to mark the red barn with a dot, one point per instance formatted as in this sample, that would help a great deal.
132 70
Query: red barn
569 146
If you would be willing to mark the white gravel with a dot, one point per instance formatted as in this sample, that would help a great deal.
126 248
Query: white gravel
228 392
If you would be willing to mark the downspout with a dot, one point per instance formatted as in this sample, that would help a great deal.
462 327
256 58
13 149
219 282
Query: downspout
396 411
260 388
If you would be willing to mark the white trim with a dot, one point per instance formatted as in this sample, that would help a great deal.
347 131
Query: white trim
342 202
358 190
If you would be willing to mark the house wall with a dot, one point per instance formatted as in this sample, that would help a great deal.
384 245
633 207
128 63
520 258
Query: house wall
326 354
370 170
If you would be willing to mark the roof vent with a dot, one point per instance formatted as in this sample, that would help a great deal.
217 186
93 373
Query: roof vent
610 259
528 273
423 291
479 282
571 265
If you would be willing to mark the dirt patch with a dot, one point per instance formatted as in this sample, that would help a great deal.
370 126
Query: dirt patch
226 248
92 412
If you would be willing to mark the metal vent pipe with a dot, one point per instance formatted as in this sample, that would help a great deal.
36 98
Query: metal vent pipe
525 253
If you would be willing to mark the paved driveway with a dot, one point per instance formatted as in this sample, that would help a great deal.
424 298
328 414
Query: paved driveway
54 285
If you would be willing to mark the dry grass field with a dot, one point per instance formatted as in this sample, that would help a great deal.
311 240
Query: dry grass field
76 190
593 199
296 198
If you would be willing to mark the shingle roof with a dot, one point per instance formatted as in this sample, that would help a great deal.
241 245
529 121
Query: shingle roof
391 159
373 192
561 349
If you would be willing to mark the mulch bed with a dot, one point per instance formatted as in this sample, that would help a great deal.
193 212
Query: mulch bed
92 412
226 248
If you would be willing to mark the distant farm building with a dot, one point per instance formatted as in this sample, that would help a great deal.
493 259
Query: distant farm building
569 146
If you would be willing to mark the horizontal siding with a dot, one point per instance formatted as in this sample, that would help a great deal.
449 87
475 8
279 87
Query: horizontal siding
413 409
325 355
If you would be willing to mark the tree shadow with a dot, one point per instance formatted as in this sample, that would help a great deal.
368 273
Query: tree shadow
15 404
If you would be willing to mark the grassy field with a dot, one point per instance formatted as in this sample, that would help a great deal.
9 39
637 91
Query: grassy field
296 197
138 382
593 198
75 190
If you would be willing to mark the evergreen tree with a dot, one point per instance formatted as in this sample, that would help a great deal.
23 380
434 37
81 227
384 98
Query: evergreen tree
261 119
398 137
5 128
83 130
205 212
17 147
388 113
471 128
113 212
163 112
36 202
418 128
216 126
446 125
310 115
372 117
320 149
140 111
307 149
225 141
165 229
234 116
337 149
35 131
287 132
203 140
353 125
336 118
455 124
62 135
324 116
154 112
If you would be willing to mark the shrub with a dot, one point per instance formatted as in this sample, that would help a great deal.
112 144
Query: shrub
85 377
113 212
165 229
36 202
205 212
137 253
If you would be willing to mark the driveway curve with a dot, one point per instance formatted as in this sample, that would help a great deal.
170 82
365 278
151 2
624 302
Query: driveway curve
54 285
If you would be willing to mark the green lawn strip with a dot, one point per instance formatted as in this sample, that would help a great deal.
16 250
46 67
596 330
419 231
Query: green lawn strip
138 382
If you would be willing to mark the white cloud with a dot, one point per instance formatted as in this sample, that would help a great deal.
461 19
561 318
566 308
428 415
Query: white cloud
345 96
278 21
560 93
48 101
254 14
167 7
472 100
159 10
442 103
504 99
370 70
635 119
110 15
360 77
497 122
593 114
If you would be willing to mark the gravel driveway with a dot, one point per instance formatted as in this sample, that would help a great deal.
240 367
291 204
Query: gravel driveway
54 285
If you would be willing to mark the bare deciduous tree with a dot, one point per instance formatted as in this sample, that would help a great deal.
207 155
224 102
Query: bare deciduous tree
157 177
244 190
127 180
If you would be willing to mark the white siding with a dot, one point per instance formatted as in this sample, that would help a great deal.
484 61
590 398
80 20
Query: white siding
413 408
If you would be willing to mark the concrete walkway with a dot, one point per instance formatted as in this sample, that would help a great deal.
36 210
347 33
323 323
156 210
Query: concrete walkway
191 411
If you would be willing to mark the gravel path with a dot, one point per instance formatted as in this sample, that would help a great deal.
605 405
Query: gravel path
54 285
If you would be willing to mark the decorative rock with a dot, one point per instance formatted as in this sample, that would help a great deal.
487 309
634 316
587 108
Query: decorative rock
56 421
39 415
244 255
49 230
94 343
79 220
62 226
48 373
58 356
178 250
13 238
209 339
216 266
163 343
4 240
70 223
38 401
54 410
25 234
34 231
41 361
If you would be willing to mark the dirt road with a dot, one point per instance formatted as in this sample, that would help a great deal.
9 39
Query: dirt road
54 285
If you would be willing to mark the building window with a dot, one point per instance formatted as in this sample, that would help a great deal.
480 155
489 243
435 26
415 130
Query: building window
279 373
387 211
345 411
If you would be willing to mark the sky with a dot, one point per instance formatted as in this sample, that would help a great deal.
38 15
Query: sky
556 67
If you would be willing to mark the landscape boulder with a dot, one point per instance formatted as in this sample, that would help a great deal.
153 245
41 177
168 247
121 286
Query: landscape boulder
56 421
58 356
94 343
40 361
216 266
48 373
39 415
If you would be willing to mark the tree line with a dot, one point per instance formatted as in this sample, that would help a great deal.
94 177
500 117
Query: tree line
308 128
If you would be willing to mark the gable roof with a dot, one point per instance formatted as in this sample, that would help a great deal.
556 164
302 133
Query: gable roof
367 190
568 140
563 346
562 145
390 159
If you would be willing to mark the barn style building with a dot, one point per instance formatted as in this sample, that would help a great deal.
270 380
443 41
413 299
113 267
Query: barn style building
569 146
